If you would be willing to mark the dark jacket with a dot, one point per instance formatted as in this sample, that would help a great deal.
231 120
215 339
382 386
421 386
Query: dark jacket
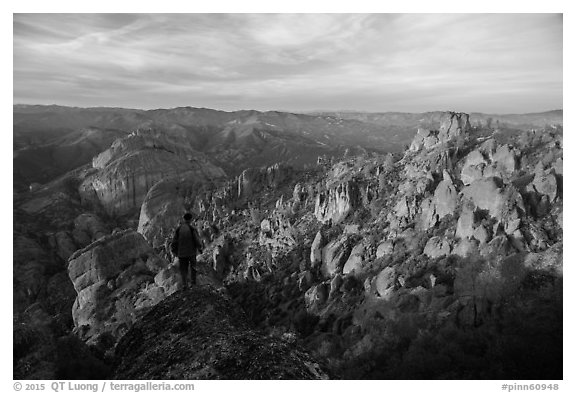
188 241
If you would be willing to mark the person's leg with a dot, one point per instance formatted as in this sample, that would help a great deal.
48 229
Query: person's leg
193 270
184 262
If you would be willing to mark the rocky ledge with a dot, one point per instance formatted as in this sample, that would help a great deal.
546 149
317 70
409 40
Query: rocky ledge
199 334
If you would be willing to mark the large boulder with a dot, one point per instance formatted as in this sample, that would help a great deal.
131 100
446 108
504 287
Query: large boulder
545 183
355 260
334 256
384 283
487 194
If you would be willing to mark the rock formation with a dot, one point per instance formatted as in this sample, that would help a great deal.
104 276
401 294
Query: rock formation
116 278
124 173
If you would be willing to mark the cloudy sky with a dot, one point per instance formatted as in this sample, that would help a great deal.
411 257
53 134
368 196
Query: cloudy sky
498 63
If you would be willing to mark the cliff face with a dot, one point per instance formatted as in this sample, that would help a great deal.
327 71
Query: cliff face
124 173
116 278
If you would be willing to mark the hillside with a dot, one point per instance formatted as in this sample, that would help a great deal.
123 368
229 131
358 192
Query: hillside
443 261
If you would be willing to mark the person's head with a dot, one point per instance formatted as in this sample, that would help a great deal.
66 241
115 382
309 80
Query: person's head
187 217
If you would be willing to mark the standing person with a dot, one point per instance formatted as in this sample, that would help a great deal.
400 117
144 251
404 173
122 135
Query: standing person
185 244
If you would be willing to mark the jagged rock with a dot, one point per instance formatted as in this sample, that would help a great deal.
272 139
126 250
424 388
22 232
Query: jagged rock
418 141
481 234
113 277
334 256
487 195
385 248
316 250
445 196
444 202
545 183
335 285
198 334
354 262
384 282
253 180
337 202
316 296
505 158
453 125
437 247
473 167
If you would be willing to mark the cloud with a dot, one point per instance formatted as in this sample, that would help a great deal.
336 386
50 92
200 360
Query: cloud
374 62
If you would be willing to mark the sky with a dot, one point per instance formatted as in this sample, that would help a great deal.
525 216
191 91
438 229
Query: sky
492 63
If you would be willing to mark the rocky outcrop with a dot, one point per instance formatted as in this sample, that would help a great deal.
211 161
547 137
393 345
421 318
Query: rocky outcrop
443 203
355 260
115 279
334 256
255 180
452 126
336 203
124 173
489 160
199 334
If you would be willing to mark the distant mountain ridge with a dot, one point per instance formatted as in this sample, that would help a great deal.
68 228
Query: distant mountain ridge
50 140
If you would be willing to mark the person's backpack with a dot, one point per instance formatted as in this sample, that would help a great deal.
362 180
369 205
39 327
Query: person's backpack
195 238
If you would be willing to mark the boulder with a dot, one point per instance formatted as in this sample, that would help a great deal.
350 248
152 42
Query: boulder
445 196
316 296
356 259
316 249
437 247
334 256
385 248
384 283
335 285
481 234
487 195
465 224
545 183
505 158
